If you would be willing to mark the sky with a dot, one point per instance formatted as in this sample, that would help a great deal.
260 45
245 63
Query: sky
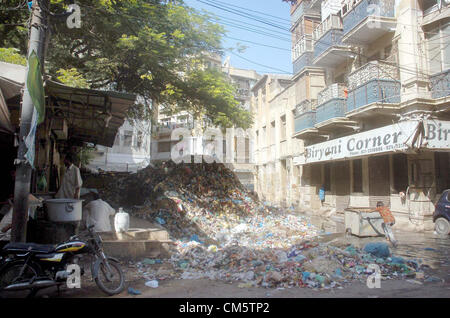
244 22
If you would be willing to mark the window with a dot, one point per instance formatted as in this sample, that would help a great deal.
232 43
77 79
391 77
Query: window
127 138
429 6
357 176
283 127
139 139
400 172
272 133
264 137
438 48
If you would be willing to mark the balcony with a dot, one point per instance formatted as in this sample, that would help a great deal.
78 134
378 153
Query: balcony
374 84
302 53
368 20
440 84
332 104
169 126
305 116
336 90
315 4
329 50
302 8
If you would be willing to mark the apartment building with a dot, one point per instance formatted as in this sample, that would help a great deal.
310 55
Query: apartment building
130 152
236 146
371 111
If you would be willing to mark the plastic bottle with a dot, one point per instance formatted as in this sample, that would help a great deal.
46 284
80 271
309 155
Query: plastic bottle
152 284
121 221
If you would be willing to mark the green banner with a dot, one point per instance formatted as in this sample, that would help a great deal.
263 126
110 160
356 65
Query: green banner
35 86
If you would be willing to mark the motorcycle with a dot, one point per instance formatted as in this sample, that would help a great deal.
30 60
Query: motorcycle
31 266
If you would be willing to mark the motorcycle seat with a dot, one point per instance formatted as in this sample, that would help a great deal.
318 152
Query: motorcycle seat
29 247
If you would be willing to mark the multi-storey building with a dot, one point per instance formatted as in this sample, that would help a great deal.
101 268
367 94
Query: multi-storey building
235 152
130 152
372 105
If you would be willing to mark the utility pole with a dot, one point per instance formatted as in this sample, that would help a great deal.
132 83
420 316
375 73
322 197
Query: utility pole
23 170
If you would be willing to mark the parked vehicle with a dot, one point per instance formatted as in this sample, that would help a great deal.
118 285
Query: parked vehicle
441 216
30 266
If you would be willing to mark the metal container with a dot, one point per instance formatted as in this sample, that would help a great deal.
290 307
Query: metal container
363 222
64 210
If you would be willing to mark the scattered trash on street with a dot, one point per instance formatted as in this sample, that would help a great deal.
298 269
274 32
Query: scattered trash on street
223 232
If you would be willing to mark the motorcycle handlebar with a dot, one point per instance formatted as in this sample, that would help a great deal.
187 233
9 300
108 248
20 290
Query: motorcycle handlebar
88 230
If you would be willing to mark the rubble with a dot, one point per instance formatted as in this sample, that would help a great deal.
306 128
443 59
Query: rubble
223 232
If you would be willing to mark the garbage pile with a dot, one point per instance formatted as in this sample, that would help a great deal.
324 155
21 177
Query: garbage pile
202 201
309 264
223 232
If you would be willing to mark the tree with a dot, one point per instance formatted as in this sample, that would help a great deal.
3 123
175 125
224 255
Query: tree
72 77
151 48
11 55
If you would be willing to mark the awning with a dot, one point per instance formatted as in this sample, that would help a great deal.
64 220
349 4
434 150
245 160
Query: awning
12 78
410 135
93 115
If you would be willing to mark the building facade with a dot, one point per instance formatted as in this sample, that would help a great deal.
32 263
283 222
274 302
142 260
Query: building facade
235 144
130 152
371 111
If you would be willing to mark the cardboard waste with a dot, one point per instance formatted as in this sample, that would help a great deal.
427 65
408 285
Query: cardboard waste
224 232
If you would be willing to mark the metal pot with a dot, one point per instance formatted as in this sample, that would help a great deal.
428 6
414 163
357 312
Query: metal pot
64 210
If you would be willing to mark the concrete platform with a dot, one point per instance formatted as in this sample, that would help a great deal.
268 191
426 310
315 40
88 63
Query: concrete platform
152 234
137 243
137 249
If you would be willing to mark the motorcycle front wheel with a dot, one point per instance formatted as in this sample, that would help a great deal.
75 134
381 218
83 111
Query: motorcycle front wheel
110 279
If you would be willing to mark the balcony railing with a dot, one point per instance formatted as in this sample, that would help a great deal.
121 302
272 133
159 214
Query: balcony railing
305 121
304 61
332 22
334 108
336 90
167 127
374 91
372 70
366 8
315 4
305 44
305 106
440 84
305 115
243 92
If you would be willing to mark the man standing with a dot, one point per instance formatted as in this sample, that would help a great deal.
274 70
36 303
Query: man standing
71 183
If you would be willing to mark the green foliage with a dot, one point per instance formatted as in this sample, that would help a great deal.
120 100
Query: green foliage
13 28
85 155
152 48
72 77
12 55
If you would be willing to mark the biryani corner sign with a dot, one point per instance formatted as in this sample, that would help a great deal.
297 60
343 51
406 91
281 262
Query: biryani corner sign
380 140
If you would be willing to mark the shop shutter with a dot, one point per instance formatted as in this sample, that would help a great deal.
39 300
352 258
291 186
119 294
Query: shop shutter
379 184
